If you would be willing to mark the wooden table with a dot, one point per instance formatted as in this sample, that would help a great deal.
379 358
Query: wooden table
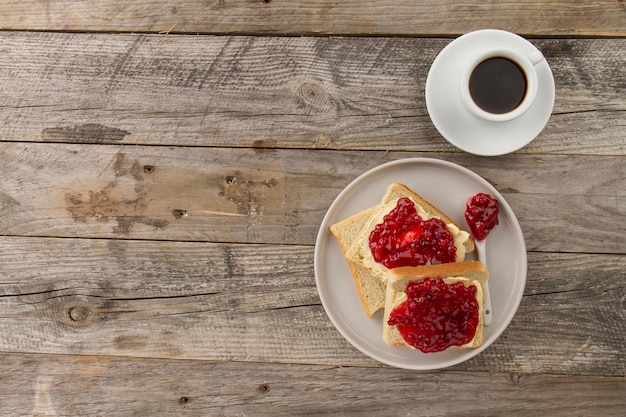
165 166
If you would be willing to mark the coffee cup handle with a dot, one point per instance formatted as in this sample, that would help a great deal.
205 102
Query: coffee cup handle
536 57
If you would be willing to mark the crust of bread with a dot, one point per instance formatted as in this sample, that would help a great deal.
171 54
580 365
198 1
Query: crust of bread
469 269
371 290
475 272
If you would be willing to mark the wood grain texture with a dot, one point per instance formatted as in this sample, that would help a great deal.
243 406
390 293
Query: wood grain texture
563 203
228 302
352 17
165 166
63 385
277 92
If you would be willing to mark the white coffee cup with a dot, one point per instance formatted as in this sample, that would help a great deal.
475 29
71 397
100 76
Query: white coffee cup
466 125
492 86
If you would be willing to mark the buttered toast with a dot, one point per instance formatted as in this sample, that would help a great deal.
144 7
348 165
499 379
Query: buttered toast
449 318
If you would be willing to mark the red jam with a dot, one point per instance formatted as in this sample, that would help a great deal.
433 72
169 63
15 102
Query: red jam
436 315
405 239
481 214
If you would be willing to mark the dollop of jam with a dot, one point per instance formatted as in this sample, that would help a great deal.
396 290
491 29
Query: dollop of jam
481 214
405 239
436 315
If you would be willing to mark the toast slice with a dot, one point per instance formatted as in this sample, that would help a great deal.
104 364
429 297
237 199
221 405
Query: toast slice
360 251
353 236
370 289
469 273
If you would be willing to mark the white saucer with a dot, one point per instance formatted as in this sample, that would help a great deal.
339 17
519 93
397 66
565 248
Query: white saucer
448 186
453 120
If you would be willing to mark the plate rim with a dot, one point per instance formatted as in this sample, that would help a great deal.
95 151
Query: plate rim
324 233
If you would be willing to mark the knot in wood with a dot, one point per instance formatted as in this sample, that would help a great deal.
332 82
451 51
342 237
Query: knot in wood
264 388
313 93
78 313
323 142
180 214
270 182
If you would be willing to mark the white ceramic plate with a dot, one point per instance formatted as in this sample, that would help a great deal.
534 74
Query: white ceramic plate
447 186
457 124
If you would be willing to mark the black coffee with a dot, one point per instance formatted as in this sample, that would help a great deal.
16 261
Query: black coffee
497 85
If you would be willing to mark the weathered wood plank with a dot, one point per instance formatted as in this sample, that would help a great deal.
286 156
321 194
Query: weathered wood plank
360 17
231 302
564 203
160 196
276 92
114 386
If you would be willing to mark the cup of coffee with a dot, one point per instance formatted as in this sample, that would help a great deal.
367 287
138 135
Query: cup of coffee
489 92
500 84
